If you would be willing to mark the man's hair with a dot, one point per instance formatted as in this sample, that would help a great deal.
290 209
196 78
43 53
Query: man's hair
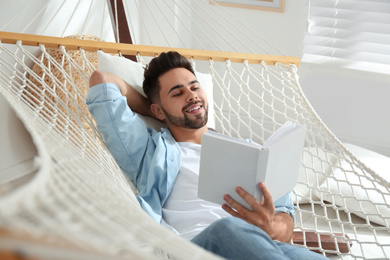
165 62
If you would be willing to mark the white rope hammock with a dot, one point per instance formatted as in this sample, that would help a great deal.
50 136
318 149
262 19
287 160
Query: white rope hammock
79 199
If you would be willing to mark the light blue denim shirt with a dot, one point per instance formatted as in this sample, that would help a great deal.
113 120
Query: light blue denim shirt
151 159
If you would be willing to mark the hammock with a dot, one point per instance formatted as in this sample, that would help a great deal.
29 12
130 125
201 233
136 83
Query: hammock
79 202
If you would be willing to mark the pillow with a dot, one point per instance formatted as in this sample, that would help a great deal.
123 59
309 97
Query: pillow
348 184
133 73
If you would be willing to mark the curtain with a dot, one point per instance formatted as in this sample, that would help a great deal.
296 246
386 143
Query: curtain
351 34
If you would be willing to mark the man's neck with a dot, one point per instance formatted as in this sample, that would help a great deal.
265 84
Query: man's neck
188 135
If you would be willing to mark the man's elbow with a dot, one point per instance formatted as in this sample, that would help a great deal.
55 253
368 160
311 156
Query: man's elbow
97 77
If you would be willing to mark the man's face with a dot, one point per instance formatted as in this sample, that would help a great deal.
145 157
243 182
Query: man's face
182 100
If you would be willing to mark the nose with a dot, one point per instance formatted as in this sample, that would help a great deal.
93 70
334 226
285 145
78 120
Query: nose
192 96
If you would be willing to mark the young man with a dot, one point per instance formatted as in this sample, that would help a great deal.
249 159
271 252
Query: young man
164 165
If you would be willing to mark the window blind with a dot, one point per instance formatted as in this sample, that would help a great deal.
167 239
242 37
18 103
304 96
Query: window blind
349 33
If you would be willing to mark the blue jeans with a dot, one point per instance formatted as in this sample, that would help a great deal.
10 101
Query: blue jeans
233 238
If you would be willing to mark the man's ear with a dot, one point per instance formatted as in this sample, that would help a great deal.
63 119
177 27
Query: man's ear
157 111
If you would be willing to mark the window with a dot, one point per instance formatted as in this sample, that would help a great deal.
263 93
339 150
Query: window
351 34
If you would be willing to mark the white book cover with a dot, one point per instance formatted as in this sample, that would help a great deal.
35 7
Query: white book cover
227 162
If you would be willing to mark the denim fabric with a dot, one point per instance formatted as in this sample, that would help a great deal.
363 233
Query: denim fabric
233 238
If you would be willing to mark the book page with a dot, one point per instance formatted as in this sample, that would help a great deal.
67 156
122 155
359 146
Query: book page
228 162
281 131
284 158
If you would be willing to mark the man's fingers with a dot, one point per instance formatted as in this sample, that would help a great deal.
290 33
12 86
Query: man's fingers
267 197
247 197
229 210
234 204
235 208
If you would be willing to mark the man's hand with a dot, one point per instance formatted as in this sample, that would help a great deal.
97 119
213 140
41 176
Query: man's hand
278 226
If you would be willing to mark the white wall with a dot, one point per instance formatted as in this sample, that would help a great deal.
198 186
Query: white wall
353 104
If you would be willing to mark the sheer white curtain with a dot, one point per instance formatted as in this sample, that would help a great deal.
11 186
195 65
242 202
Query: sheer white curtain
349 33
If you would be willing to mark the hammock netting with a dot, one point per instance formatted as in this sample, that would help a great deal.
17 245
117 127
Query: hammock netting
79 199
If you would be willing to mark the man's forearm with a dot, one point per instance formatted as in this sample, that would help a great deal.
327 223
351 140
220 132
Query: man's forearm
284 226
137 102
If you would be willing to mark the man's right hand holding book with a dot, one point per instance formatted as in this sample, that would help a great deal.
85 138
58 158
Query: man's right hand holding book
278 226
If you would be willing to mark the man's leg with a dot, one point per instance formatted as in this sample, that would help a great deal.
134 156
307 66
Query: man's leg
299 253
234 238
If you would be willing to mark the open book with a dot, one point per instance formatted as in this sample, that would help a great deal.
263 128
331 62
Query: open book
228 162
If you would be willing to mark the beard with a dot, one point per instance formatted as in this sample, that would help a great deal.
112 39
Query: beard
199 121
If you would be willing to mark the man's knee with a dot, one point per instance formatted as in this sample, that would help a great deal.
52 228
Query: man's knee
234 238
232 226
228 224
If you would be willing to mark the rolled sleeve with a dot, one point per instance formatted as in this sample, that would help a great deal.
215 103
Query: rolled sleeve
285 205
102 93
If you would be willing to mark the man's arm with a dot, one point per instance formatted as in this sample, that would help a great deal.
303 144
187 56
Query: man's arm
284 226
135 100
278 226
125 134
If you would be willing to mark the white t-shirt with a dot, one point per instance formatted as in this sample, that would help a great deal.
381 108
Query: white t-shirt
183 210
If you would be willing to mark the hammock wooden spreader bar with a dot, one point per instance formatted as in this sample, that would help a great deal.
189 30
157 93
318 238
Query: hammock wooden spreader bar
143 50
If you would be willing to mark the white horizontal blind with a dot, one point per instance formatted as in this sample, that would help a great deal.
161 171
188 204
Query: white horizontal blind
349 33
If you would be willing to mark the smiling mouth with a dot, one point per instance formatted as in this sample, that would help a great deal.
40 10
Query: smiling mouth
194 109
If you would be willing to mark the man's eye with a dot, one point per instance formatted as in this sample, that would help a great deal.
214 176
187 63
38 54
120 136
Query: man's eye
176 94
